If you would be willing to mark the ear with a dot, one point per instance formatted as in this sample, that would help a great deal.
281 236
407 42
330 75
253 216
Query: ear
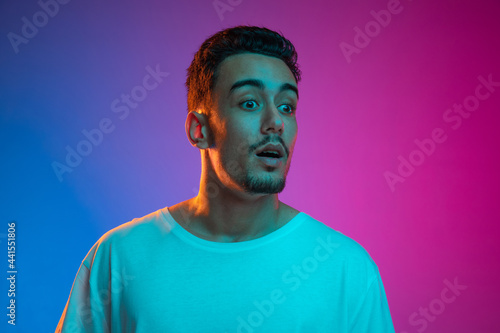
197 130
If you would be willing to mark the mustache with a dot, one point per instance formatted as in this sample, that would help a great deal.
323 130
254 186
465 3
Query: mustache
269 139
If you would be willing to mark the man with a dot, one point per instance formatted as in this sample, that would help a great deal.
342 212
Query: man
234 258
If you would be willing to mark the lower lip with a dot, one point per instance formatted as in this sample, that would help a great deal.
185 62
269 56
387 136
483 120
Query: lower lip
270 161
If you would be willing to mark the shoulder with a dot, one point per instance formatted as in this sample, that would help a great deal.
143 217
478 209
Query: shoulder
341 256
129 236
343 248
138 228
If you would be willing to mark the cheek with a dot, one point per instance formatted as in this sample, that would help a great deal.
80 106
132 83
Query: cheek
242 148
292 135
292 126
240 139
235 145
236 153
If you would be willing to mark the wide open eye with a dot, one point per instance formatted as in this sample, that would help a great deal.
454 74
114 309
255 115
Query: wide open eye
249 104
287 108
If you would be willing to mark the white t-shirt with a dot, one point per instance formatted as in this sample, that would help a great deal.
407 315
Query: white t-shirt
152 275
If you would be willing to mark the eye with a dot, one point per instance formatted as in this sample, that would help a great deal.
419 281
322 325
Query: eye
249 104
287 108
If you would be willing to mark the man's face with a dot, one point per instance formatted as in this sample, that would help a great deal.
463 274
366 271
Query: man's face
254 105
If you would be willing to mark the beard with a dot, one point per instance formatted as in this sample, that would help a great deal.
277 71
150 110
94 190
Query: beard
255 182
263 184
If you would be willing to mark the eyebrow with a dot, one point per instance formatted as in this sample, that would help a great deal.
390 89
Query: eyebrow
259 84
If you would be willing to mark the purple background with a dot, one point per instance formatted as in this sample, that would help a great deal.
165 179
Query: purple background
357 115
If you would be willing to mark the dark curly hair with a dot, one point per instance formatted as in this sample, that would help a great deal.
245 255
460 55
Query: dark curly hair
203 71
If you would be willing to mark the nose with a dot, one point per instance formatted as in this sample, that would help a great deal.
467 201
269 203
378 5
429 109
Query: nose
272 121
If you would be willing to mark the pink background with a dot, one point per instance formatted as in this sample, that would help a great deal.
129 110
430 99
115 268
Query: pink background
357 115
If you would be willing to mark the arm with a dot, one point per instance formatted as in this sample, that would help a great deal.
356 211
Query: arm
88 307
372 314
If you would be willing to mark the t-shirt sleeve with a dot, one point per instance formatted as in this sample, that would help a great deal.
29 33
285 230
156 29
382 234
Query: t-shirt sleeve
372 314
87 309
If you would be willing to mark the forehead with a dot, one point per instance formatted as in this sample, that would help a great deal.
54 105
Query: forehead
272 71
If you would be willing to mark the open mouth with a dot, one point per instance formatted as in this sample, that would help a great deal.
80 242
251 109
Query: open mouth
270 154
270 158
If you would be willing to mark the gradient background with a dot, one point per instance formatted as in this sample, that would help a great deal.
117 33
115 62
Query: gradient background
355 118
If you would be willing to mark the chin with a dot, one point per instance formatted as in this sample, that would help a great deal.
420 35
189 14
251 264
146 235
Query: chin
264 185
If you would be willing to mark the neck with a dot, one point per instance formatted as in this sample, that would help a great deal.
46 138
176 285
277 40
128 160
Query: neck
224 213
227 214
